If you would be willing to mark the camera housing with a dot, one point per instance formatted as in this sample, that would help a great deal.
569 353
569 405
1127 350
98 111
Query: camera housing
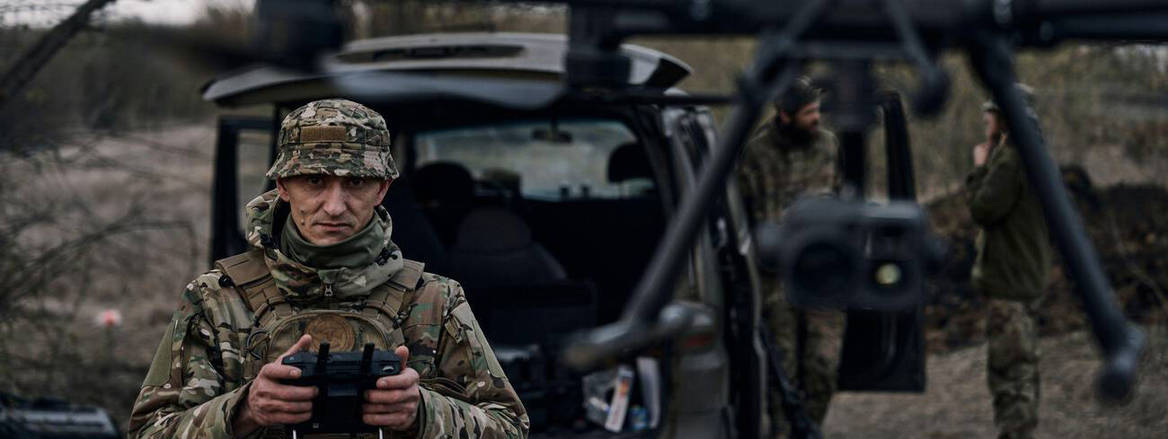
839 254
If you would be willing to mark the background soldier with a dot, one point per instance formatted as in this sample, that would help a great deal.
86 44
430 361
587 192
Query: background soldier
792 156
322 267
1013 259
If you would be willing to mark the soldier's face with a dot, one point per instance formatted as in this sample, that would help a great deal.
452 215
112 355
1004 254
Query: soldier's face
328 209
806 119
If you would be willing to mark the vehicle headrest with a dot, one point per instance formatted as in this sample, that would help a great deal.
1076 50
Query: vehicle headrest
443 181
627 162
492 229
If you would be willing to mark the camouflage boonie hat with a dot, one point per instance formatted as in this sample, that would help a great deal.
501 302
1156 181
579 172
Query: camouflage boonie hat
333 137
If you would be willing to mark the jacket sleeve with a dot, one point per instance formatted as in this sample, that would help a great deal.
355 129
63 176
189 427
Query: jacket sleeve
183 395
993 189
471 396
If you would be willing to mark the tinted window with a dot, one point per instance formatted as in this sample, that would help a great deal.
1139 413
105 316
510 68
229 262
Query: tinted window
567 159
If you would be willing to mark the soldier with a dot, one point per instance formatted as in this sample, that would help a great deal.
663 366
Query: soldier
1013 260
792 156
322 267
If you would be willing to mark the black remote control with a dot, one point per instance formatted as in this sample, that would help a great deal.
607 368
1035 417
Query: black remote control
342 379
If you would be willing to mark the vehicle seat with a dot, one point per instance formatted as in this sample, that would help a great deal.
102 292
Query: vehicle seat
544 313
629 168
445 191
411 229
494 248
628 162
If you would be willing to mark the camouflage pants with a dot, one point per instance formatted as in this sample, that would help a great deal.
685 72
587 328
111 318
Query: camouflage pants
1012 366
820 353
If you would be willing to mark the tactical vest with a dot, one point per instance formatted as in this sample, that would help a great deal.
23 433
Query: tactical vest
346 325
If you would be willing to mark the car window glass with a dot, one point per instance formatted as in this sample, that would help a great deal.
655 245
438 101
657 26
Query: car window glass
565 159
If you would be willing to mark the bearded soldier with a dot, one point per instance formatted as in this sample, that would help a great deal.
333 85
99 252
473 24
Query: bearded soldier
793 156
322 267
1013 260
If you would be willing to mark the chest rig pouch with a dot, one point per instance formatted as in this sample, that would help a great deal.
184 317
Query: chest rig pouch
346 324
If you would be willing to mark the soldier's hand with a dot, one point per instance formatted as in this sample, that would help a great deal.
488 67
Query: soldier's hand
269 402
394 403
981 153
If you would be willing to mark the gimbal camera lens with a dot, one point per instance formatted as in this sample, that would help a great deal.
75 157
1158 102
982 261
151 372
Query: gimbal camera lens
887 274
844 254
820 268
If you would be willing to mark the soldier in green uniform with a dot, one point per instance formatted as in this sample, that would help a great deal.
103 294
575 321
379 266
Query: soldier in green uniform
322 267
792 156
1013 260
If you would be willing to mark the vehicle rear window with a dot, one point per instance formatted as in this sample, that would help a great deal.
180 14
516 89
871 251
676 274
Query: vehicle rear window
552 160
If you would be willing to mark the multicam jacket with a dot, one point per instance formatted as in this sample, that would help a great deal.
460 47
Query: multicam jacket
203 367
776 170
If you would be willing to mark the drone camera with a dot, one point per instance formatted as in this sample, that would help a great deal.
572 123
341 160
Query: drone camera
838 254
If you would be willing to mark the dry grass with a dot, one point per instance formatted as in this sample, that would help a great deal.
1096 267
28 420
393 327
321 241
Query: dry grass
151 188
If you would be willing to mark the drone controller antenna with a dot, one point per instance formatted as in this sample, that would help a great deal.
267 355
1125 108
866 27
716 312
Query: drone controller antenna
364 374
322 356
367 359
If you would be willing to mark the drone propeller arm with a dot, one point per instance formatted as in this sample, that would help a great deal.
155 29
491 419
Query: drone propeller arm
768 77
653 293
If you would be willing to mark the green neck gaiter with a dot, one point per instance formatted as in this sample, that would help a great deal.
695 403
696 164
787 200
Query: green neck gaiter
357 251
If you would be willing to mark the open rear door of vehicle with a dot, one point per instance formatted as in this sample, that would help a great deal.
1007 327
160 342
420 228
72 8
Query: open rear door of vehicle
884 351
226 231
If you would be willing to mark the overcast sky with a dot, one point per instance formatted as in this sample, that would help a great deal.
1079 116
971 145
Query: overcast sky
170 11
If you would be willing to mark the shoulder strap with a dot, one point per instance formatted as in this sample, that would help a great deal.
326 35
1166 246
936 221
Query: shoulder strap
244 268
389 298
251 278
407 278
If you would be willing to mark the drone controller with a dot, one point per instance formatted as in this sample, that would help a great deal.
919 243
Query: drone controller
341 380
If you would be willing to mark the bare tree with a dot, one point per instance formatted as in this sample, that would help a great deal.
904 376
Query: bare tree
27 65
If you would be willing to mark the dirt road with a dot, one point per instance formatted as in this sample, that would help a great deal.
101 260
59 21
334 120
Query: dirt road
957 403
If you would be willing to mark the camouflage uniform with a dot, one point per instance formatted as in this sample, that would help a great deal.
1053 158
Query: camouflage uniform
210 352
1013 260
774 171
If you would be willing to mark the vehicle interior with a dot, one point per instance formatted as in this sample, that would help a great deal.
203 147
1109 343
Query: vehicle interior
547 223
504 205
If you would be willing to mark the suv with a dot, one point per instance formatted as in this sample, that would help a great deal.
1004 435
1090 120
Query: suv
547 205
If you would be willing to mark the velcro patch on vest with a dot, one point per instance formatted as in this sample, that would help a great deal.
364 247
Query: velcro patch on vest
323 134
333 329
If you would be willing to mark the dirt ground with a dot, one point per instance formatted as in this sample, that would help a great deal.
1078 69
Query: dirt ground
957 403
